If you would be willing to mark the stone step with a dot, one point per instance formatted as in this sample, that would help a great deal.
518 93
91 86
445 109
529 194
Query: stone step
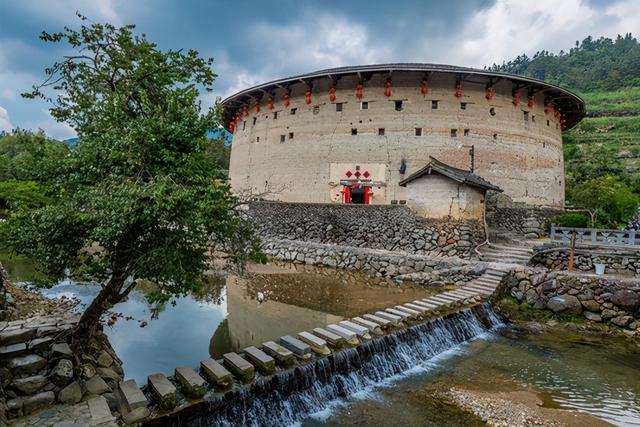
361 331
99 411
372 326
192 384
402 314
13 350
426 305
486 282
216 373
29 364
510 248
330 337
164 390
497 254
459 296
447 301
260 359
347 334
436 303
415 307
239 367
377 319
15 336
411 312
298 348
448 297
482 290
282 355
395 320
132 396
465 292
317 344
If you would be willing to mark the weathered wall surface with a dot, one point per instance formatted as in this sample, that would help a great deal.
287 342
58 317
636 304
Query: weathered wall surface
390 227
615 259
436 196
596 298
522 156
504 215
421 269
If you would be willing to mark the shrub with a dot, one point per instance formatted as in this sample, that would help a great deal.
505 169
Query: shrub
577 220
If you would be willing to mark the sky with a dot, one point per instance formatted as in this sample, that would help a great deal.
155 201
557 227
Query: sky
257 41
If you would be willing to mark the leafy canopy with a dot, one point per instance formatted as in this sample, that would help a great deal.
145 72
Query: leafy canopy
609 201
137 197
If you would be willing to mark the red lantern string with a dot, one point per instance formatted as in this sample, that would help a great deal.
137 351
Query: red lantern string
516 97
332 94
532 101
245 111
359 90
256 107
231 127
285 100
425 87
307 97
387 90
490 93
270 103
459 90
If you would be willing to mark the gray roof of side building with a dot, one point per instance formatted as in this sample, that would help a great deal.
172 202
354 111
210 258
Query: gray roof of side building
459 175
572 105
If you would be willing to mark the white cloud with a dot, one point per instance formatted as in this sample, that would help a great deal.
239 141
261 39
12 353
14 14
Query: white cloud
5 123
54 129
62 11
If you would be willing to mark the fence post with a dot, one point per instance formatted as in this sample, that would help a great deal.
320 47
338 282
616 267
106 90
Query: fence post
594 236
553 232
632 237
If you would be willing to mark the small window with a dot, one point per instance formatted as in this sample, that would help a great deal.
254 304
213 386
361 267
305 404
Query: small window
492 111
293 111
339 106
364 105
454 133
418 131
275 115
244 125
398 105
463 105
354 131
547 122
257 139
495 136
290 135
255 119
381 131
526 116
434 105
556 126
316 109
533 118
466 132
281 138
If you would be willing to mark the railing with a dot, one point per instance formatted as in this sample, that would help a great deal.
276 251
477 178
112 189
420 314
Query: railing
594 236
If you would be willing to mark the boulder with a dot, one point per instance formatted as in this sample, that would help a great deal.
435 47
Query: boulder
104 359
38 401
71 394
626 299
62 374
29 385
590 305
96 385
608 314
594 317
621 321
27 364
565 304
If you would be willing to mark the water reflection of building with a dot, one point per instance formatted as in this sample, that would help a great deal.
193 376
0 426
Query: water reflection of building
250 322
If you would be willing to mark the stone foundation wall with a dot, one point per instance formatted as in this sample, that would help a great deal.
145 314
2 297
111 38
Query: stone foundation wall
596 298
525 220
389 227
616 260
421 269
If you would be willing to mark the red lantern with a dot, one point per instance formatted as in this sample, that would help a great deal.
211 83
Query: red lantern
245 110
231 127
516 97
332 94
490 93
387 90
256 107
459 90
548 108
425 87
270 103
238 117
532 101
307 97
359 90
286 101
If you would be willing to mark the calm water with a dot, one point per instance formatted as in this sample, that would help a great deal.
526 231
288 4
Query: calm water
597 376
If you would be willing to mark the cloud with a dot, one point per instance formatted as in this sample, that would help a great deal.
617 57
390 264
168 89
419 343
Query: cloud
54 129
5 123
62 11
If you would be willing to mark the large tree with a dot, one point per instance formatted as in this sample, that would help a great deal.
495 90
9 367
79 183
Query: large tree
138 197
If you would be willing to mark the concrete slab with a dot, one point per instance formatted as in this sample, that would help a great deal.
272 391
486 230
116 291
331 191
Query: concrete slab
361 331
282 355
298 348
394 319
377 319
400 313
414 307
132 395
260 359
216 373
348 335
373 327
13 350
333 339
192 384
164 390
426 305
99 410
317 344
238 366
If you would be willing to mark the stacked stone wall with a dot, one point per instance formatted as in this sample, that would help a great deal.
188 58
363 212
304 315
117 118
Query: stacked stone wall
421 269
504 215
615 259
389 227
596 298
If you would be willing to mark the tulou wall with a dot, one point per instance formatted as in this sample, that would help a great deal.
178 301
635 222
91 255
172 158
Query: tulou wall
299 153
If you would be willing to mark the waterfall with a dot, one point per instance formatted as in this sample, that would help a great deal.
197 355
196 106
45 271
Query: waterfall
289 396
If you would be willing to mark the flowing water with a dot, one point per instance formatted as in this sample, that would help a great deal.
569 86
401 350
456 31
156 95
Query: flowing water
387 382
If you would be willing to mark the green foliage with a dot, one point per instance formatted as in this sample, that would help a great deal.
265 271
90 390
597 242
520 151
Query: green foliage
610 201
601 64
620 101
220 153
570 220
138 197
20 195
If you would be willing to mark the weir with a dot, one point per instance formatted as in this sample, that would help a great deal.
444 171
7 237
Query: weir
289 396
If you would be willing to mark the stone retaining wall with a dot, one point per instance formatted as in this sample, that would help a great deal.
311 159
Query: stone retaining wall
390 227
596 298
616 259
525 220
421 269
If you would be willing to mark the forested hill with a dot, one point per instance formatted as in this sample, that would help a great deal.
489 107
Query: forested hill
606 74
